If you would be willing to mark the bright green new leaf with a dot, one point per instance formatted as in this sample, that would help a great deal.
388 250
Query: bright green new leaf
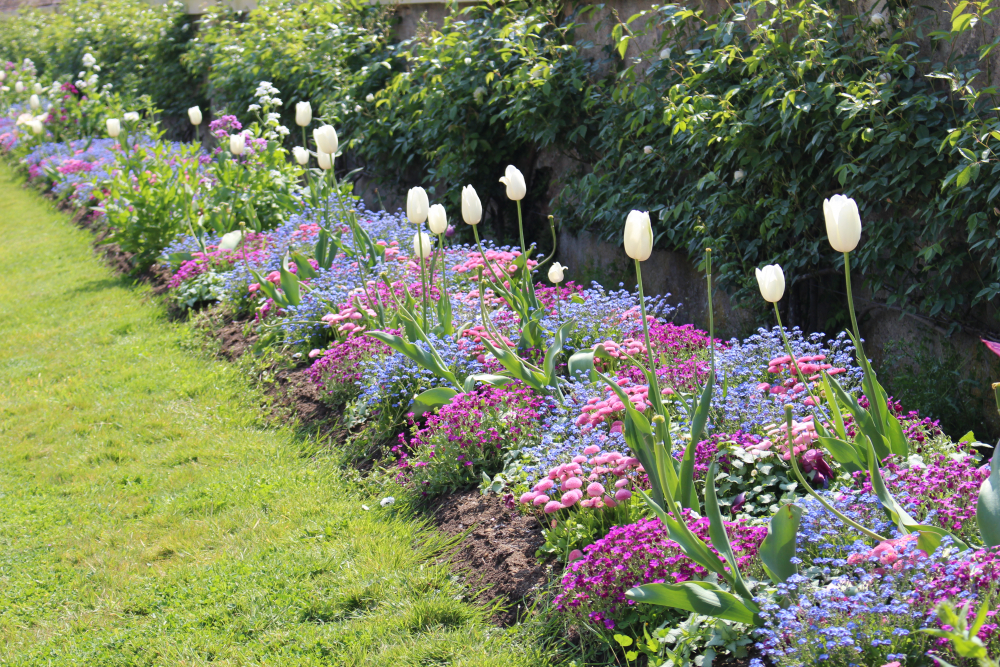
700 597
778 547
988 507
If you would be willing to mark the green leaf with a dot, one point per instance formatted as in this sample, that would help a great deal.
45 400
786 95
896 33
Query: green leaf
290 285
433 398
551 354
717 533
688 497
305 269
700 597
419 355
485 378
988 507
845 453
778 547
831 399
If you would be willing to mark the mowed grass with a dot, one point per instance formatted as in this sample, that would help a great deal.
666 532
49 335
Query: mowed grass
149 516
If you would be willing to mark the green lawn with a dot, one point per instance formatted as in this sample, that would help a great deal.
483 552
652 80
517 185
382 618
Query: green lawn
149 516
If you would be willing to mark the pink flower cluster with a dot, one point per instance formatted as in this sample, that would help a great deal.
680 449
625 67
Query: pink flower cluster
73 166
806 367
499 260
341 365
607 469
593 587
890 552
347 318
803 436
611 408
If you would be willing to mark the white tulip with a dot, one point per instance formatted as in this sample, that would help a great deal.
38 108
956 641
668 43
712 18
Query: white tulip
648 150
437 219
326 139
304 114
557 273
38 88
114 127
843 222
739 175
877 18
231 240
194 115
514 181
416 205
3 75
19 87
472 208
34 102
325 161
301 155
422 245
638 235
237 144
771 280
131 116
36 126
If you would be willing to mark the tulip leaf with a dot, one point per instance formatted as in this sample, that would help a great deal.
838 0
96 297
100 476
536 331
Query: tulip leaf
688 497
581 362
897 439
778 547
269 290
304 268
692 545
717 532
700 597
553 352
845 453
862 419
485 378
290 285
417 354
988 507
831 399
431 399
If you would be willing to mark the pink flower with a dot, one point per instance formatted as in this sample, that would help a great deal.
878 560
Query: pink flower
576 554
529 497
570 498
553 506
894 663
590 450
572 483
540 500
623 495
595 490
544 485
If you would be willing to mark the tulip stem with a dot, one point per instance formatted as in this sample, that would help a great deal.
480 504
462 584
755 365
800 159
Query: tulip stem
862 357
485 261
809 490
645 329
423 271
559 306
793 364
711 316
444 269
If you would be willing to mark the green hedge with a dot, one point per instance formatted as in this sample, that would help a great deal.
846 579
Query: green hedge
732 128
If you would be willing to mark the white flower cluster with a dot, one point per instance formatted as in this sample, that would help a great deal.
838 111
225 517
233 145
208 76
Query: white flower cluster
266 94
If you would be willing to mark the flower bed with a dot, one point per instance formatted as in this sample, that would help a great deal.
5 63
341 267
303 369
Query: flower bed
697 495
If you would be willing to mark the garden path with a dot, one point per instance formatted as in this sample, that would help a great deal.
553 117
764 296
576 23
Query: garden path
150 516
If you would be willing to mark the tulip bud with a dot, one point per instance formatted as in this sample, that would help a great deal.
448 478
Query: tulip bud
237 144
648 150
326 139
638 235
771 280
194 115
114 127
421 245
231 240
325 161
877 18
301 155
416 205
556 273
38 88
304 116
131 116
19 87
437 219
472 208
514 181
843 222
34 102
739 175
450 231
